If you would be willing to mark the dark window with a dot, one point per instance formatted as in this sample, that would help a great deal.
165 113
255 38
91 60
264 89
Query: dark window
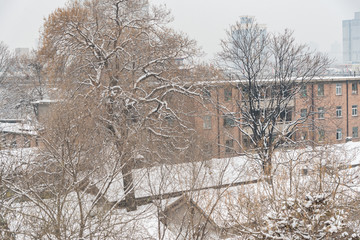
354 88
229 146
339 134
227 94
355 132
338 111
303 91
320 89
321 112
303 135
207 149
206 94
321 135
303 113
170 120
229 120
286 115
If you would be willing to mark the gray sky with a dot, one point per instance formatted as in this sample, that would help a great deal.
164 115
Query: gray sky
318 22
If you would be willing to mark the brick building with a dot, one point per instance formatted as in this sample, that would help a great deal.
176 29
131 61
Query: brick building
329 105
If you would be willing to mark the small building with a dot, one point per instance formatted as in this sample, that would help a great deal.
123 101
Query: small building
185 218
15 133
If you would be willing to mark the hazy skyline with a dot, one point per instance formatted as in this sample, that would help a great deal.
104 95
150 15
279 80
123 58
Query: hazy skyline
318 23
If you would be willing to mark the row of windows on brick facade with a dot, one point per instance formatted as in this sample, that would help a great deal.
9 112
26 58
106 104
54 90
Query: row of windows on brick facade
206 94
229 144
303 91
355 133
321 112
229 148
320 89
229 121
354 111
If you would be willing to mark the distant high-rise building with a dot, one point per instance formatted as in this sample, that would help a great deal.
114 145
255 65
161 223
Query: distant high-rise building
351 40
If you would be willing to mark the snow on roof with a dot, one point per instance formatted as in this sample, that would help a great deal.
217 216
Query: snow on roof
18 128
45 101
270 80
187 176
196 176
220 204
13 159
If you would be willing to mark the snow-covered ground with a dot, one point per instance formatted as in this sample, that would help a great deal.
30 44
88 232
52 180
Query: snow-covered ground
219 204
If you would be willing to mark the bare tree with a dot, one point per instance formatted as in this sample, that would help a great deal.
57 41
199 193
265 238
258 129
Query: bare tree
31 75
271 69
5 58
121 54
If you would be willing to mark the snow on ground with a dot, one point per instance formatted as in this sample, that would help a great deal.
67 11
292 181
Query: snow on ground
219 204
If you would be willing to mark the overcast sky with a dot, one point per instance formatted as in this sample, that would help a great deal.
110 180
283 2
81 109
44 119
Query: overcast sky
317 22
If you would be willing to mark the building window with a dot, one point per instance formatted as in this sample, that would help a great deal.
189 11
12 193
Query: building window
246 142
320 89
229 146
303 136
286 115
321 135
207 122
227 94
355 132
170 120
207 149
338 111
321 112
206 94
303 91
338 134
354 110
354 88
303 113
338 89
229 120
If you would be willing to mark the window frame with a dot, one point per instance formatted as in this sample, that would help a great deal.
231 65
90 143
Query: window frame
320 89
303 91
206 94
338 90
338 111
227 94
303 113
339 134
321 113
354 88
354 110
357 132
229 120
207 123
321 133
229 148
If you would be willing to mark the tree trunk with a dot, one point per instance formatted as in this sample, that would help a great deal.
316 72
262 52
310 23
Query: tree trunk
267 167
129 187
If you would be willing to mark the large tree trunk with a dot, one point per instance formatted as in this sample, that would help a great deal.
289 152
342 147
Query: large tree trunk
129 190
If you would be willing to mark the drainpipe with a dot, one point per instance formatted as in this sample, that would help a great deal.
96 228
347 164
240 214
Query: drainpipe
312 115
347 108
218 120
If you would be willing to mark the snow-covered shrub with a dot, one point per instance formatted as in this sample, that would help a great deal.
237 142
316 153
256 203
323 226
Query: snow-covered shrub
315 217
